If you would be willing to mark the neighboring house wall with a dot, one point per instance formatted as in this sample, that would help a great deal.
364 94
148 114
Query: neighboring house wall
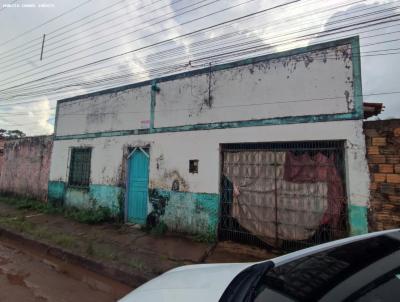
307 94
2 142
26 166
383 154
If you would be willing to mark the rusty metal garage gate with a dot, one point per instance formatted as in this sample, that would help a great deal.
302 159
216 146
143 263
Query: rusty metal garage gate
283 195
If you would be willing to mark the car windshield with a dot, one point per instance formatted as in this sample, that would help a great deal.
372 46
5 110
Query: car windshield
366 270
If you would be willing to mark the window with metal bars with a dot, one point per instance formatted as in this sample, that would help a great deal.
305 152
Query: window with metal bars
79 171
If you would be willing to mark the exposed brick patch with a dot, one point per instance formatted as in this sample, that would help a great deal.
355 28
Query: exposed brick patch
395 199
392 159
377 159
374 150
387 189
378 141
386 168
379 177
383 155
393 178
373 186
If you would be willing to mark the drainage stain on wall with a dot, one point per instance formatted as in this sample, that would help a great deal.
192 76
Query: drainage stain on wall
195 213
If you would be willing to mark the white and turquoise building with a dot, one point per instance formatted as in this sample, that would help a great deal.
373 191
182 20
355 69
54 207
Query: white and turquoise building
156 146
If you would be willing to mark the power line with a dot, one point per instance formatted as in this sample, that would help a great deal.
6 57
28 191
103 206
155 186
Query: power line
143 37
379 11
44 23
339 6
28 50
160 42
275 102
203 42
162 71
130 75
115 38
38 38
113 19
99 44
352 29
47 48
64 26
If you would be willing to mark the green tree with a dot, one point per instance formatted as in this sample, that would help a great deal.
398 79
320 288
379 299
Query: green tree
11 133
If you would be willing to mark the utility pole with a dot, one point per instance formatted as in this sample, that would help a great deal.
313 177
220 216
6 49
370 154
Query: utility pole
41 53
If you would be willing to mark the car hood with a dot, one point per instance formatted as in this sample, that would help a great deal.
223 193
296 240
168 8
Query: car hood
205 282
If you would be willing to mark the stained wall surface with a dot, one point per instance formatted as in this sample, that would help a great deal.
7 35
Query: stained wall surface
26 166
306 94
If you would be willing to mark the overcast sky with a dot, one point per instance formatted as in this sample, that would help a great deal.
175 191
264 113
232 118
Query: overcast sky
98 29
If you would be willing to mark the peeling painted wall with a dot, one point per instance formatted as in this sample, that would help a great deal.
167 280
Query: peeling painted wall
187 116
187 212
129 109
315 82
298 85
26 166
176 149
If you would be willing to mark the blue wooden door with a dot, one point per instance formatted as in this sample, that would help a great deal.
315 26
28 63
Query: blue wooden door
138 167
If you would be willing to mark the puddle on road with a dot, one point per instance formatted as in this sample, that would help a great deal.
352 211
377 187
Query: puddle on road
22 267
16 279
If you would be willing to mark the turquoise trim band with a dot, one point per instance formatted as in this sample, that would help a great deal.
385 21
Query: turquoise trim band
95 195
219 125
56 191
358 220
153 94
357 84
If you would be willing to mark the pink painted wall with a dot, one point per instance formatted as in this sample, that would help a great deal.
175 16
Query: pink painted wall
25 166
2 142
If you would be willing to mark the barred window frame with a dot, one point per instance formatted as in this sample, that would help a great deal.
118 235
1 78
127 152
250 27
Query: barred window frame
80 167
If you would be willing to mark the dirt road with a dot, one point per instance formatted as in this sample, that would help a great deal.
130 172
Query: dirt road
28 276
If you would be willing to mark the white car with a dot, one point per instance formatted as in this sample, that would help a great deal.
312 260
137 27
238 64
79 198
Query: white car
360 268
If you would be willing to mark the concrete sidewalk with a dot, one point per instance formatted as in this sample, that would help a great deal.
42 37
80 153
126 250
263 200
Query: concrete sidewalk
122 252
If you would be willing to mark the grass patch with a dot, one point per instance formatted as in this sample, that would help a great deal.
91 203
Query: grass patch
89 216
20 224
204 238
63 240
31 204
102 251
110 253
17 223
159 229
90 249
136 264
